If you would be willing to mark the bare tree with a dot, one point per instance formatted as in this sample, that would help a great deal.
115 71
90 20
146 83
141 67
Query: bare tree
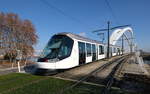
16 34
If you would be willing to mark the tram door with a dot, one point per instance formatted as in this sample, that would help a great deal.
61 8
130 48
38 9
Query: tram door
118 51
93 52
82 54
110 49
97 52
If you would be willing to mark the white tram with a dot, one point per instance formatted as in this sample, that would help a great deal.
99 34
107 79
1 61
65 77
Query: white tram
67 50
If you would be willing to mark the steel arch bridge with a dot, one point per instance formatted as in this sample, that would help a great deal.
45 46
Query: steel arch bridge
118 33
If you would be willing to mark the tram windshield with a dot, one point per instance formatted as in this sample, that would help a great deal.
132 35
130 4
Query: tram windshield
59 47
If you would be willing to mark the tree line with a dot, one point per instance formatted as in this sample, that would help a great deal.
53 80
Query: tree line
16 36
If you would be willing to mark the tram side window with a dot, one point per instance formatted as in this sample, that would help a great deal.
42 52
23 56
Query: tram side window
114 50
81 49
88 49
93 49
101 49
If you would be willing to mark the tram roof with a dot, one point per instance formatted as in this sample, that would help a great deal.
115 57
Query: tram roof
78 37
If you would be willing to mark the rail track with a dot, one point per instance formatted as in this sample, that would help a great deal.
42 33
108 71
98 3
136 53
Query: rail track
115 71
101 68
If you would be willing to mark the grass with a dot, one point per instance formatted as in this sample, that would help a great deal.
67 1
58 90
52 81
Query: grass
17 83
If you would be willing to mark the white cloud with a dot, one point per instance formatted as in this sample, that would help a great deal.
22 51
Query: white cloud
82 34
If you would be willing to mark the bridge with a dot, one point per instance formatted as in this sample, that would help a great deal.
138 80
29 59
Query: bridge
118 33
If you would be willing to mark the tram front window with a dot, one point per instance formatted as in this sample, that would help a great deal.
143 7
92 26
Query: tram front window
59 47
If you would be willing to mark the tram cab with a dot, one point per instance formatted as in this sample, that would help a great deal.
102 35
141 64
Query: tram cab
56 52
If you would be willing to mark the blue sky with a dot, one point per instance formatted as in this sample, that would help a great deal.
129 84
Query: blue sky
82 17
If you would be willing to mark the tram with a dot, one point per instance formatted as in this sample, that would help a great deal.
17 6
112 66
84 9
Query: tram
67 50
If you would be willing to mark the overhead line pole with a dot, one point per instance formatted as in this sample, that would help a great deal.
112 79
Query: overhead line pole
122 44
108 40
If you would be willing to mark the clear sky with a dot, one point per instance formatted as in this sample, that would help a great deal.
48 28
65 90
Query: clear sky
82 17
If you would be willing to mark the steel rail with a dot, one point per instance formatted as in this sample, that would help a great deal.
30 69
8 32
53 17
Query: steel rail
101 68
112 76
